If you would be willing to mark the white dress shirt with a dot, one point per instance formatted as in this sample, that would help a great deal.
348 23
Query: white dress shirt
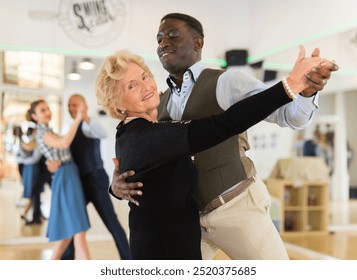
94 129
234 85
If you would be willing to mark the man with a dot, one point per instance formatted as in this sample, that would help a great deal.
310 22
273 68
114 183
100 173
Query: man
85 150
234 201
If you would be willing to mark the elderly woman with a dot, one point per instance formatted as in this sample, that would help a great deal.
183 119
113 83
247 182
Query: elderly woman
166 225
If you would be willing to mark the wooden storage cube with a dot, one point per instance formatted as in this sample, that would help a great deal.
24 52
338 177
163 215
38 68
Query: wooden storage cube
293 196
293 221
316 221
316 195
301 213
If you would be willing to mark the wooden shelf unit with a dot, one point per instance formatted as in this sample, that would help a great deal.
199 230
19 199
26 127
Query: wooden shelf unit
304 209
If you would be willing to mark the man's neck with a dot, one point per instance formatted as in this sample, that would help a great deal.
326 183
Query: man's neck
178 77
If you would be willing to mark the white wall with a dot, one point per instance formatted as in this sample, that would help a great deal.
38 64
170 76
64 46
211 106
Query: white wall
257 25
269 143
326 112
139 30
278 22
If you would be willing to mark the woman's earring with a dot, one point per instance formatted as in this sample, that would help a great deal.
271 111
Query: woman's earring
120 111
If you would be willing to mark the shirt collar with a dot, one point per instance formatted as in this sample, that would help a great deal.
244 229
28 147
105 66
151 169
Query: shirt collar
42 125
194 71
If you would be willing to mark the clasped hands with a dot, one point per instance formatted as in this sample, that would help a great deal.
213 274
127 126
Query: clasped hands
318 77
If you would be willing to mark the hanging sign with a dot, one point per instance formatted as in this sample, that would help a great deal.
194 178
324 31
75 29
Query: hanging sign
92 23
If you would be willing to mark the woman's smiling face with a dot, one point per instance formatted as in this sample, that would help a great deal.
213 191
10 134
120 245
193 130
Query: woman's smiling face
140 93
42 113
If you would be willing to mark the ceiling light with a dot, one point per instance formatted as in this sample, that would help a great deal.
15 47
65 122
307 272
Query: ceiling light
74 75
86 64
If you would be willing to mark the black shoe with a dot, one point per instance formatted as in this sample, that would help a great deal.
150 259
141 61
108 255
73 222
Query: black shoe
33 222
23 217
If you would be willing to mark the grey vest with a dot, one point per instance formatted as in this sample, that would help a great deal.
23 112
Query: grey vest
224 165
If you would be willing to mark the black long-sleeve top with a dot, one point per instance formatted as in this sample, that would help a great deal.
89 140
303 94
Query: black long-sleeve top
159 152
143 146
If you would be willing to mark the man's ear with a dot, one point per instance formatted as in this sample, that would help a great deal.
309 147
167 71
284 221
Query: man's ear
198 42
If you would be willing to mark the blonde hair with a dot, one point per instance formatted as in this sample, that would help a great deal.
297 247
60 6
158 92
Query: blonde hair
109 81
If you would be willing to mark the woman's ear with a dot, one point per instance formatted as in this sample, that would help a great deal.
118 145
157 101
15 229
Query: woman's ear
120 110
34 117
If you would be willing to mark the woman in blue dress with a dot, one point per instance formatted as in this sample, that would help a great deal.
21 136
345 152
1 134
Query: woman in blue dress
68 215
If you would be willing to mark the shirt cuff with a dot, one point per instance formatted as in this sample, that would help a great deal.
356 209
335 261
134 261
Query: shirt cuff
94 129
111 192
308 103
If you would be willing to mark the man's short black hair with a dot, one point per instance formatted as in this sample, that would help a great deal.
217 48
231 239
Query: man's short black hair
191 22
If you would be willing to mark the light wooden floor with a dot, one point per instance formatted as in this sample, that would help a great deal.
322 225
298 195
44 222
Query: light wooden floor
20 242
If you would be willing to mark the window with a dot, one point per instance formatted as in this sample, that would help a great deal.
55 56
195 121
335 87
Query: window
33 69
